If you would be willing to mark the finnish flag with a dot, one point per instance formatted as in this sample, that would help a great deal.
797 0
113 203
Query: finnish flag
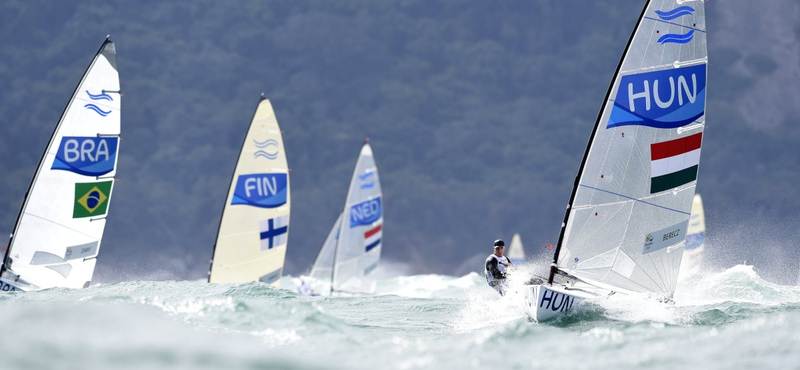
274 232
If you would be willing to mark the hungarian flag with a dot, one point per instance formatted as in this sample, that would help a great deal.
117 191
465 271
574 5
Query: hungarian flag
674 162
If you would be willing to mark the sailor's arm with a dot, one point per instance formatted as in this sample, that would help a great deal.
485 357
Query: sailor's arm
491 266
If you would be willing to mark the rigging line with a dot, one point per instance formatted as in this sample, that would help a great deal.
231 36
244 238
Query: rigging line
657 274
675 24
629 281
665 272
634 199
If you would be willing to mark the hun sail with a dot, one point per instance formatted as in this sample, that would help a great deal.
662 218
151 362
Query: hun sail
630 207
254 228
57 235
358 248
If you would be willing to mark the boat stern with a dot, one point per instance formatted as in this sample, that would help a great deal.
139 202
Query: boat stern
543 302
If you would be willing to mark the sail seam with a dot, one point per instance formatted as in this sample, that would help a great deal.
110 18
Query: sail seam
59 224
675 24
634 199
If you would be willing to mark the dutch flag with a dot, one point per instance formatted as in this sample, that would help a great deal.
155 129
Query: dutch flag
372 238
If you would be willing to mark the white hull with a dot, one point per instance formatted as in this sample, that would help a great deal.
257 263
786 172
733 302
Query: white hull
7 285
543 302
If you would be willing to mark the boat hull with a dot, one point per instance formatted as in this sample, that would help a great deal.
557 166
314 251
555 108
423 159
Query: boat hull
11 286
543 302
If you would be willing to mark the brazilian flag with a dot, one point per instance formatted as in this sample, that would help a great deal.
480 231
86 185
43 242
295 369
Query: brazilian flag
91 199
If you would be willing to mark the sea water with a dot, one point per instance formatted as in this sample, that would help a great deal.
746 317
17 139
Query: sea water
729 319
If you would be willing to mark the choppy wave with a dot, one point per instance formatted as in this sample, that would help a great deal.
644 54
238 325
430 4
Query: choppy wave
726 319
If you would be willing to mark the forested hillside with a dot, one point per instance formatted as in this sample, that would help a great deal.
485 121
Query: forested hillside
478 113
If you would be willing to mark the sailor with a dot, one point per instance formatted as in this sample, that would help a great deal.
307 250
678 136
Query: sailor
496 266
305 289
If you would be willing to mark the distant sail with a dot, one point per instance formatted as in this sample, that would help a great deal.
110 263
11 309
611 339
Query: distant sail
696 233
695 240
254 228
60 227
322 269
358 249
515 252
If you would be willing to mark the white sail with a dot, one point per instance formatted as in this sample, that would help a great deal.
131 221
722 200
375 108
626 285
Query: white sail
516 252
696 234
358 249
630 207
695 240
322 269
57 235
254 228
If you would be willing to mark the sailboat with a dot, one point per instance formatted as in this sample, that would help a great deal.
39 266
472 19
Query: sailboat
350 254
254 227
58 232
628 213
515 252
322 268
695 238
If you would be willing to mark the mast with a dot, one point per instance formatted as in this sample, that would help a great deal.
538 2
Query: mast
554 264
5 263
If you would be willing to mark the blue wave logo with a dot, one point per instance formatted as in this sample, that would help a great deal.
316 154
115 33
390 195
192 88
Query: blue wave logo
97 109
365 177
365 213
268 153
101 96
264 190
675 38
88 156
675 13
663 99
